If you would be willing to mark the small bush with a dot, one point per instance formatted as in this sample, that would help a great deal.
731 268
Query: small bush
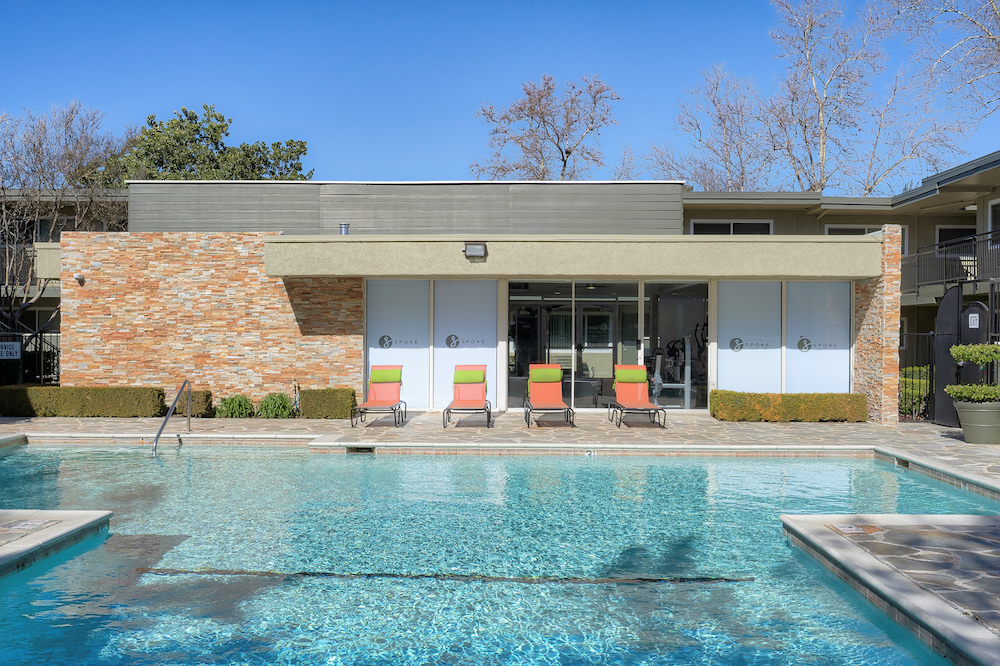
81 401
331 403
235 407
978 354
782 407
974 392
275 406
913 394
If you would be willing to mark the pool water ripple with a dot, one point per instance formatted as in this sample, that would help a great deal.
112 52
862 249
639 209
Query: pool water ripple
197 516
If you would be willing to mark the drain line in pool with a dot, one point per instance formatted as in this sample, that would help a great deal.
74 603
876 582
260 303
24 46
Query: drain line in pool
462 578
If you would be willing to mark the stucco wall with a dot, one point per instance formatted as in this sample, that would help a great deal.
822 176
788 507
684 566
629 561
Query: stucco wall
158 308
876 345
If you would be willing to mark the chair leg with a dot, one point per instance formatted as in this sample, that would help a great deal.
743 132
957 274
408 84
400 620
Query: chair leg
444 419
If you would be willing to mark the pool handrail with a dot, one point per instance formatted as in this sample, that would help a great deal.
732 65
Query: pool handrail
170 412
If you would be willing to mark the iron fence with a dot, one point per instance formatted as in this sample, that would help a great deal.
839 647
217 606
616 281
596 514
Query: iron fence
916 376
37 360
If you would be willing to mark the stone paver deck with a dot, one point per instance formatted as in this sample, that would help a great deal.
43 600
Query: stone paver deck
957 564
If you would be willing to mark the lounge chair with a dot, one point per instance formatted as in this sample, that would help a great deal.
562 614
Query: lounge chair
632 396
544 394
384 385
470 393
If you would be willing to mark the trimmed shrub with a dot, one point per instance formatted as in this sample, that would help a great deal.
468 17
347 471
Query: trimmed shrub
81 401
974 392
275 406
782 407
201 404
235 407
330 403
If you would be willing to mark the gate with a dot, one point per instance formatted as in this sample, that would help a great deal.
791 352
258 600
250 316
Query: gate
916 376
29 358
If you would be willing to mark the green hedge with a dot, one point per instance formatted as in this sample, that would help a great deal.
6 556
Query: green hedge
781 407
201 404
124 401
333 403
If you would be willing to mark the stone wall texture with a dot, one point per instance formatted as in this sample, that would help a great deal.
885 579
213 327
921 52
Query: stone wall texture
158 308
876 325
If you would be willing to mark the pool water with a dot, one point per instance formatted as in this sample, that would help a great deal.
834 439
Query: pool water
276 556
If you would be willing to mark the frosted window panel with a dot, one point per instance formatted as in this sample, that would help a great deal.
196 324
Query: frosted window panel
818 337
750 336
398 329
465 333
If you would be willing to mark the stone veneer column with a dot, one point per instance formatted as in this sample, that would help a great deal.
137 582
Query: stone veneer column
158 308
876 326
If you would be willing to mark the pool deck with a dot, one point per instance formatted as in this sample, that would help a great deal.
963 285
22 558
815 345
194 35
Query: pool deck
937 575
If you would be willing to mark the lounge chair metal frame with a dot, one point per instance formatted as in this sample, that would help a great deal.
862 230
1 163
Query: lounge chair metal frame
487 408
569 415
448 411
398 409
617 409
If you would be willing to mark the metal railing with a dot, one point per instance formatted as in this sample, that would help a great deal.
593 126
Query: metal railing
970 259
170 412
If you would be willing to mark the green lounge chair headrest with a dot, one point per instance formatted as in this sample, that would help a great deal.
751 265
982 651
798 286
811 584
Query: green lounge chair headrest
630 375
470 376
387 376
545 375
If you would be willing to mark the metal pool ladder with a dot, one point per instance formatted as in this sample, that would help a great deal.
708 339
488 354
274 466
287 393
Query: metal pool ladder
170 412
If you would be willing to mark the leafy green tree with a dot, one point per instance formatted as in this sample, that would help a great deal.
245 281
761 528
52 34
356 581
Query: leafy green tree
189 147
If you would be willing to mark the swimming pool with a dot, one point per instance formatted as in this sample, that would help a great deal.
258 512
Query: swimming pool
255 556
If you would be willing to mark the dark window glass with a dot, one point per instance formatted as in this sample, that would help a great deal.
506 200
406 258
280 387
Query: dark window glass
760 228
712 228
949 234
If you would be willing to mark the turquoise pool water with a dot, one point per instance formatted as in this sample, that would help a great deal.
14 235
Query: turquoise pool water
243 556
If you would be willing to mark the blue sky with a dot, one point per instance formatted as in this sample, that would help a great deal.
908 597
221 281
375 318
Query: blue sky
379 90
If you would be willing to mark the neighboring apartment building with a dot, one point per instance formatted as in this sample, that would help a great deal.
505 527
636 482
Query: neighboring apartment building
249 286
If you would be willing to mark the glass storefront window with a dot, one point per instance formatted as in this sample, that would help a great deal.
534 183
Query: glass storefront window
589 327
676 343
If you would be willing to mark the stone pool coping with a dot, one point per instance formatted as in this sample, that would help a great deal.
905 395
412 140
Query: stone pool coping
29 535
948 628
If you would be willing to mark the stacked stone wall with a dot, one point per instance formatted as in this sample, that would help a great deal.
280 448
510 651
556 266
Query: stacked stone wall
876 325
155 309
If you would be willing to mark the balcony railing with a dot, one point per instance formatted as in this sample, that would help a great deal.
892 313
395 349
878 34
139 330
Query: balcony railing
970 259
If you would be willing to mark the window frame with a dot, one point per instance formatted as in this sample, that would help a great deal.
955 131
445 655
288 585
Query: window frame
905 245
730 222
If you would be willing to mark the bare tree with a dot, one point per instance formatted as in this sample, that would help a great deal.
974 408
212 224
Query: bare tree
905 134
959 46
51 179
730 149
825 124
548 134
628 168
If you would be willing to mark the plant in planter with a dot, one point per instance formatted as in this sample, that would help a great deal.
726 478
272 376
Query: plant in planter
978 405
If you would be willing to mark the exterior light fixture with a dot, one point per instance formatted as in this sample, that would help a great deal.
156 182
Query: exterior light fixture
971 207
474 249
79 278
